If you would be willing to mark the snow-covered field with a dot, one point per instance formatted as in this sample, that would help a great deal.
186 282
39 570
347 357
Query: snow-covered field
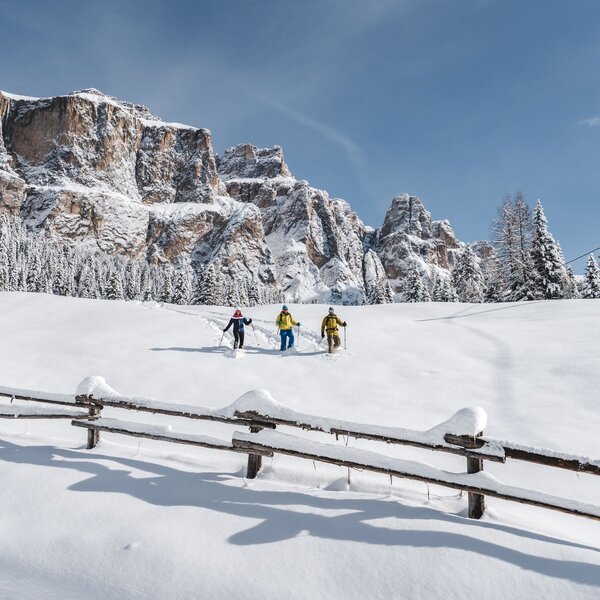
138 519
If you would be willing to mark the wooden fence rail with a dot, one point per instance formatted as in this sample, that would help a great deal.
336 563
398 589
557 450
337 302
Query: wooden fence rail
85 411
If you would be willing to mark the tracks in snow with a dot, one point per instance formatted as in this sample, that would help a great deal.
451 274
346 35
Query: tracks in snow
265 332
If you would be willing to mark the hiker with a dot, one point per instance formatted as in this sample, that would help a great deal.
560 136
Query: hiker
238 321
330 325
285 321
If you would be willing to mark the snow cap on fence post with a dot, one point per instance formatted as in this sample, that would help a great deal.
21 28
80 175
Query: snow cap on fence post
259 401
95 385
470 421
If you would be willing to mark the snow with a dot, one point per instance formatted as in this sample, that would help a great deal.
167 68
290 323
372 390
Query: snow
19 410
467 421
95 386
259 401
162 520
11 391
18 97
286 442
159 430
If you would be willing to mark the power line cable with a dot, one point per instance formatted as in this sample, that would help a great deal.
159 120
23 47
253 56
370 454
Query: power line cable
584 254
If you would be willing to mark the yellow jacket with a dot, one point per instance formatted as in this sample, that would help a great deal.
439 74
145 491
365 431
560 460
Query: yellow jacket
285 321
330 323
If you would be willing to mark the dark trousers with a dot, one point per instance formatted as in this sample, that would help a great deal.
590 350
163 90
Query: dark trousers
238 339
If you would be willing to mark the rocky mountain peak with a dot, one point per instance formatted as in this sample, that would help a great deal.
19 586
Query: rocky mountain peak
407 215
109 174
246 161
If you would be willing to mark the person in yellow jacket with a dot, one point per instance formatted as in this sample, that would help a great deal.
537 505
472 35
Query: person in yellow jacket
330 325
284 322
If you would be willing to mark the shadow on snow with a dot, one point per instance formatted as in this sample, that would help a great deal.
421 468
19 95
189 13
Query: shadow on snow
168 486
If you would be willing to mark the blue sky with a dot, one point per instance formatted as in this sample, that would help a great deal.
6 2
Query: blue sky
457 101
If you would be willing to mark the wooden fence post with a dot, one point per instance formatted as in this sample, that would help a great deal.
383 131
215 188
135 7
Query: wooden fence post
474 465
254 460
476 501
93 435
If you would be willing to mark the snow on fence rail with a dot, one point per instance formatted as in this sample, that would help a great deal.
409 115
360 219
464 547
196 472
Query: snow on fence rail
461 434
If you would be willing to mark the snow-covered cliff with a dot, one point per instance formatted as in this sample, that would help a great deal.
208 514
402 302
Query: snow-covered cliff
109 174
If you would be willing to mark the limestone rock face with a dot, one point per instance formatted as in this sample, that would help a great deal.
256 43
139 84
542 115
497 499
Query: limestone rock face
410 240
110 175
84 165
248 161
12 187
316 242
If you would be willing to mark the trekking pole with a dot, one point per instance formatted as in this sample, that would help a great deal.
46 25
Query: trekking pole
221 339
255 336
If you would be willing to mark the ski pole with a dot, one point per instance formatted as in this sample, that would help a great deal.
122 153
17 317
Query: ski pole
298 345
345 344
255 336
221 339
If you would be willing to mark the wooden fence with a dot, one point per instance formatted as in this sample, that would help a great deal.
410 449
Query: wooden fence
262 439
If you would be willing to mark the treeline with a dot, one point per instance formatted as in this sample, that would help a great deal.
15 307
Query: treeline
34 262
524 262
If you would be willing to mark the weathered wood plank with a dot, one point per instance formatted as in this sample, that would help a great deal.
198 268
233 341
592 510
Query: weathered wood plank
64 402
476 502
162 408
144 431
514 452
479 453
254 460
487 490
16 415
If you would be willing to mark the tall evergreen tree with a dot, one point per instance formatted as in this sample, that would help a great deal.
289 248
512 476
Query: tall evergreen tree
591 279
114 290
549 273
210 292
414 289
182 289
166 284
443 290
512 234
467 278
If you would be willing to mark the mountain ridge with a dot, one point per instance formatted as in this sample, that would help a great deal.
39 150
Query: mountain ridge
103 172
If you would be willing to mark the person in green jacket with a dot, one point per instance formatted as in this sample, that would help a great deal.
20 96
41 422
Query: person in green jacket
285 322
330 325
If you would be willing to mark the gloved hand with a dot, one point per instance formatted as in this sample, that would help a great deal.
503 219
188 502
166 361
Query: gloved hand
345 323
299 324
224 330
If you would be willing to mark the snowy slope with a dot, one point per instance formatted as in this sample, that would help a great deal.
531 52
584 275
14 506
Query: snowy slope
146 519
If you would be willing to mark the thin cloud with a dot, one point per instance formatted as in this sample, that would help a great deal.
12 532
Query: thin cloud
353 152
591 122
351 148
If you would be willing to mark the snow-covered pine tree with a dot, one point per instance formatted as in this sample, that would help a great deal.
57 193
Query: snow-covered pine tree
512 233
572 289
131 281
210 290
549 273
591 279
414 289
114 289
243 293
182 288
443 290
166 284
253 292
467 278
